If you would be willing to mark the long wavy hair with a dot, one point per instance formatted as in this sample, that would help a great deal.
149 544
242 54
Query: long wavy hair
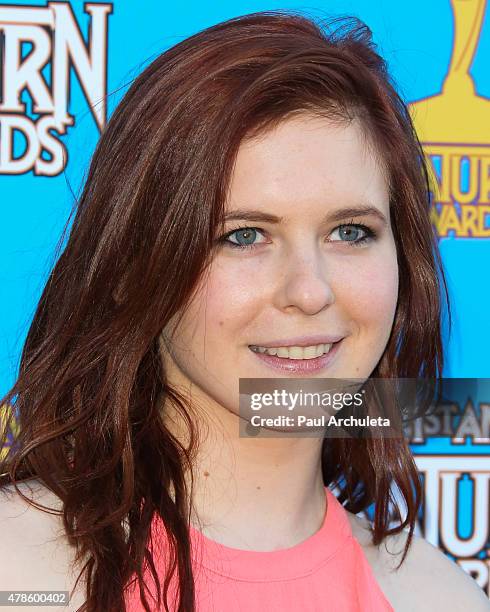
90 388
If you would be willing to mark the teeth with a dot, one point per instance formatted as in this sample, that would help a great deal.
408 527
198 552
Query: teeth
294 352
309 352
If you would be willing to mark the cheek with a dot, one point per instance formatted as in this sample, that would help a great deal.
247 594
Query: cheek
223 307
207 343
370 292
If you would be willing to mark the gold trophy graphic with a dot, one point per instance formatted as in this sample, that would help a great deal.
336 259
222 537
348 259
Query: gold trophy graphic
454 128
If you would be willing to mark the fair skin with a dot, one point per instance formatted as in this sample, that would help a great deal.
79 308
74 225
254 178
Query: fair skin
302 279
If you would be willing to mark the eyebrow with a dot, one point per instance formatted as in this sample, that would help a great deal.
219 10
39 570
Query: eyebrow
338 214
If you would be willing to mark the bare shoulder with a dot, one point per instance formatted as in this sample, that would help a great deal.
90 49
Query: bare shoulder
34 542
426 580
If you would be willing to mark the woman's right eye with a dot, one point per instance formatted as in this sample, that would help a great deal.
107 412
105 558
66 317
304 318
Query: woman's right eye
244 238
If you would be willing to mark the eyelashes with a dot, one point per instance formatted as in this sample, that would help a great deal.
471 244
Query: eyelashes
225 239
368 235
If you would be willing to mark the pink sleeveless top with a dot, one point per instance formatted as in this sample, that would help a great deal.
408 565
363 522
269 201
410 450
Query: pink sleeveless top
327 571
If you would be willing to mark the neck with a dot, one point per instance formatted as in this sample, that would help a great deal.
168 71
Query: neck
251 493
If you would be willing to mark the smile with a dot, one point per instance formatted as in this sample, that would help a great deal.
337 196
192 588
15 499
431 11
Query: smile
297 359
294 352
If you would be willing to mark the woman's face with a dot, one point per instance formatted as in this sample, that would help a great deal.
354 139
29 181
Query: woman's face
312 269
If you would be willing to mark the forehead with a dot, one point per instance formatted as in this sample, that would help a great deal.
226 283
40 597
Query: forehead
305 163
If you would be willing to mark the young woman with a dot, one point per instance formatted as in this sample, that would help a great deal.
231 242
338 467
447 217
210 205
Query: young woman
260 187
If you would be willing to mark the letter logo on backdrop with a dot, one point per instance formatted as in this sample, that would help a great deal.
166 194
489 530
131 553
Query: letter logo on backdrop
456 522
40 48
454 128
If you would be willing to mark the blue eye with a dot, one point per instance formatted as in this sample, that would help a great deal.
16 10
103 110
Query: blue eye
245 237
349 232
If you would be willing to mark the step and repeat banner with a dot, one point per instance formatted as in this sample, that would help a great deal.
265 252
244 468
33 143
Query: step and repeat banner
65 66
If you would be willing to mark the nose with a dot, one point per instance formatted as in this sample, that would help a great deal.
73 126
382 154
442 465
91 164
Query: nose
305 285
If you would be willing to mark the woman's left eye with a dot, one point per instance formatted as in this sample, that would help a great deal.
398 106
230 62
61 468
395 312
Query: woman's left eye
353 233
244 236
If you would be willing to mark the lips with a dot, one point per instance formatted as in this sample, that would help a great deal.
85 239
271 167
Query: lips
314 339
294 352
299 366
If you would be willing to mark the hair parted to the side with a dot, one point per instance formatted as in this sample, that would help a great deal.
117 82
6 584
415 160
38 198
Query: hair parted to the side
90 385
